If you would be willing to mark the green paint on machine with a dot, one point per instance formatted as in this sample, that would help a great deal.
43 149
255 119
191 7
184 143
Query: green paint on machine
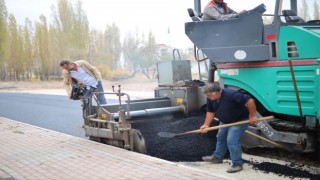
273 87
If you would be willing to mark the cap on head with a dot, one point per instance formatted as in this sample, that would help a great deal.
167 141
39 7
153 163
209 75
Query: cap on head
211 87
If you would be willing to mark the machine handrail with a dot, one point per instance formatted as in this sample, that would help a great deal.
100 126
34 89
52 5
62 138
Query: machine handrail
173 53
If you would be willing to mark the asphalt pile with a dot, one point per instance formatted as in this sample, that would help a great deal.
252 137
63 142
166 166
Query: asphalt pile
182 148
291 170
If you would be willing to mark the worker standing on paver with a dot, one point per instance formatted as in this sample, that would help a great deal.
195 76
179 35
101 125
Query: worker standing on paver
228 106
84 72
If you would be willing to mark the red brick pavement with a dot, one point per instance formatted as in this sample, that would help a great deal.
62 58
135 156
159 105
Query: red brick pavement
29 152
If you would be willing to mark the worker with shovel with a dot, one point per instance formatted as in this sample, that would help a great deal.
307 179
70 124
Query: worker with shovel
229 106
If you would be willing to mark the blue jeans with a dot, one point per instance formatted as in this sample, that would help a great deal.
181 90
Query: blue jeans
100 97
230 138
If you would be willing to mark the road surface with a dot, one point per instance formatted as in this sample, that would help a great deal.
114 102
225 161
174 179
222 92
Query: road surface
53 112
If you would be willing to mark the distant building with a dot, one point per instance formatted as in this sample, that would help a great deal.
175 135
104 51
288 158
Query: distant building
164 52
164 49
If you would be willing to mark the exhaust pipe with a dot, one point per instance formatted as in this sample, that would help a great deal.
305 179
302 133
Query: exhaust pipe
153 112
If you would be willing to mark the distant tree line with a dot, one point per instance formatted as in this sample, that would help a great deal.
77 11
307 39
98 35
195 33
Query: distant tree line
303 12
34 50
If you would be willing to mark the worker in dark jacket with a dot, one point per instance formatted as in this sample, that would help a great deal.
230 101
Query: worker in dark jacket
228 106
219 10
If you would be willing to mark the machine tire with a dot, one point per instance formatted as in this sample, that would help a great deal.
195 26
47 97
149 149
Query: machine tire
139 144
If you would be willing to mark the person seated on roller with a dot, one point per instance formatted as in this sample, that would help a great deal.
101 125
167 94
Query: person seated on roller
219 10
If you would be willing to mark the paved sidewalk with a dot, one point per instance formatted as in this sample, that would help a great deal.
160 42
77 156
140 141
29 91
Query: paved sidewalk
29 152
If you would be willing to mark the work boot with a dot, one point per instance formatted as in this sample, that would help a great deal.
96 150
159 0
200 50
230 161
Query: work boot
234 169
212 159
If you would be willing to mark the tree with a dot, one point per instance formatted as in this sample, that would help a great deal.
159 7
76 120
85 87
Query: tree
3 39
42 53
267 20
80 33
96 53
316 13
149 56
304 11
36 50
131 51
112 45
71 28
27 48
140 54
14 48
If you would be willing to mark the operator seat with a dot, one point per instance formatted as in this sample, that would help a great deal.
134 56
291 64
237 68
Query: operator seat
194 15
292 17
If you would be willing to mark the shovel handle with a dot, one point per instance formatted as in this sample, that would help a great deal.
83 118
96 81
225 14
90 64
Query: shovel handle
227 125
264 139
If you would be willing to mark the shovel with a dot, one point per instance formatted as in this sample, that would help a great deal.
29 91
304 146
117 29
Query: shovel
171 135
266 140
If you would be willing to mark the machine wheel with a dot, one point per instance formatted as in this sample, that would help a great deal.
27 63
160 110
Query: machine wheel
139 144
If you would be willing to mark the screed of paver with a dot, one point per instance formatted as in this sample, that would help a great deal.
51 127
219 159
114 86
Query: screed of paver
36 153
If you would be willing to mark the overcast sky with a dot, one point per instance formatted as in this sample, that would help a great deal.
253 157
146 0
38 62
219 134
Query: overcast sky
154 15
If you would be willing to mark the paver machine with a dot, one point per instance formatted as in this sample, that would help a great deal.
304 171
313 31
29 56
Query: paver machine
277 64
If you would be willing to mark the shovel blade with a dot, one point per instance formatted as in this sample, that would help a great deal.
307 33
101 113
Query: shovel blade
167 134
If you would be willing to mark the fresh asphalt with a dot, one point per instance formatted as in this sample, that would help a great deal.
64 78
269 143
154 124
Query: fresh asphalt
53 112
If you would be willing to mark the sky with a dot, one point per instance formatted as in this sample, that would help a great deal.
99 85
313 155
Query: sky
145 15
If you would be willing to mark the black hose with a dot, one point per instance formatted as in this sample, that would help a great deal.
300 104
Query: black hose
296 90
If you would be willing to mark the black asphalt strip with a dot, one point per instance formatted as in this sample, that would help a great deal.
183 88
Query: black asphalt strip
193 147
182 148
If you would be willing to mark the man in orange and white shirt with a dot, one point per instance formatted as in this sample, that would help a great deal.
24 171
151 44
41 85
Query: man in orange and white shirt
219 10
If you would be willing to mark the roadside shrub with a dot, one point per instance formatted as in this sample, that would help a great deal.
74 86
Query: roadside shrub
105 71
113 74
120 74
